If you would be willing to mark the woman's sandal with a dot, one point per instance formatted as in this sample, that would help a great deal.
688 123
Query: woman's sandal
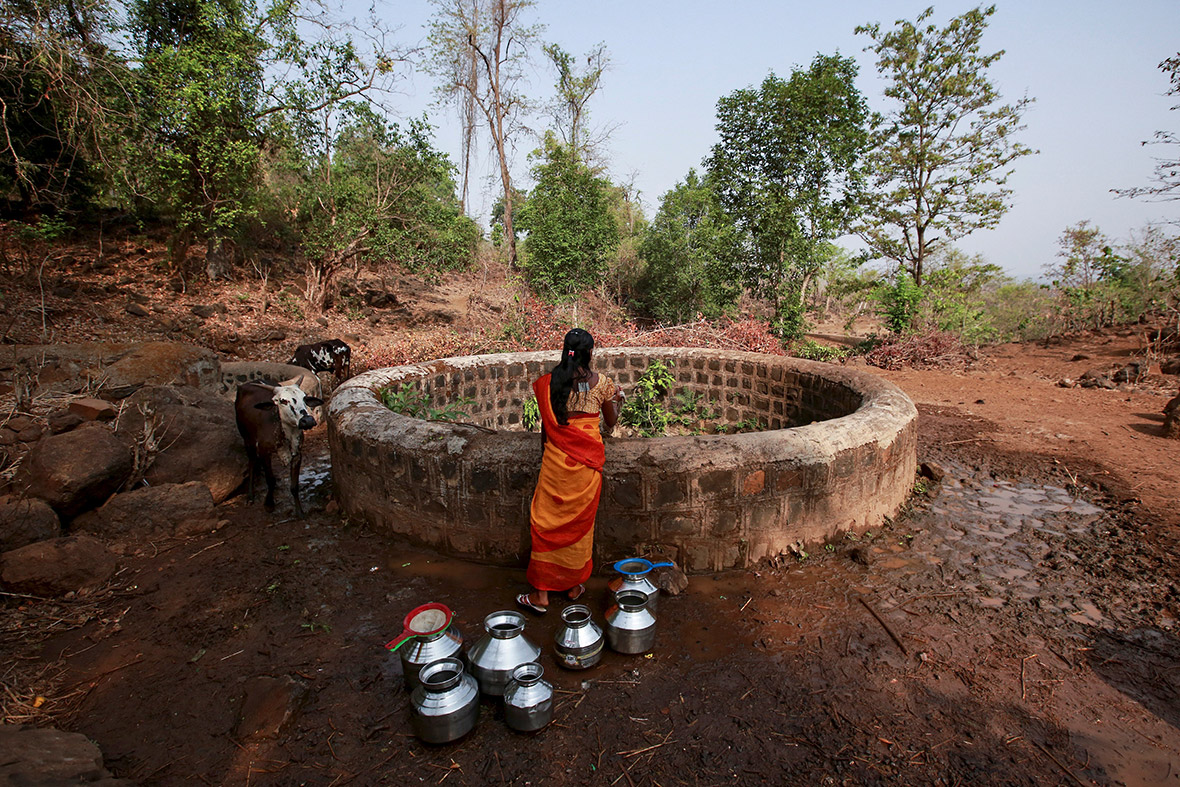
524 601
575 593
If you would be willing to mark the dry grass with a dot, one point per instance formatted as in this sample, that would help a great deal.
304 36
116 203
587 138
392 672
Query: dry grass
31 690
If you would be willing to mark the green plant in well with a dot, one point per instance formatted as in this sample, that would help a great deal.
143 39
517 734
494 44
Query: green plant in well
531 414
744 425
414 403
643 410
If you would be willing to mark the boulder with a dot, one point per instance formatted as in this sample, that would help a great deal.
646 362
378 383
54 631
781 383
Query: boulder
1131 373
150 511
25 522
72 564
1096 379
63 421
119 368
76 471
1170 365
196 435
51 758
161 363
1172 418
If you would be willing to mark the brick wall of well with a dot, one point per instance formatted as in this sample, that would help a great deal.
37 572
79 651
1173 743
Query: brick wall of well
838 454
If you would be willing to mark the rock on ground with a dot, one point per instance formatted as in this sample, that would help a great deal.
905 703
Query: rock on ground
196 436
76 471
1172 418
118 368
58 566
151 510
27 521
51 758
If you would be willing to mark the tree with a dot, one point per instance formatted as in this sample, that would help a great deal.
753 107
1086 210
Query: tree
63 102
942 156
201 76
1090 277
567 217
211 73
689 256
479 52
574 91
788 170
376 191
1167 169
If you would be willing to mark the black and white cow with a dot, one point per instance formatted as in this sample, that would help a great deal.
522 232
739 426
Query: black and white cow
331 355
271 420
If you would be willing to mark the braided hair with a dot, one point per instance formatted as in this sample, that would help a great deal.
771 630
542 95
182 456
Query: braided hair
575 355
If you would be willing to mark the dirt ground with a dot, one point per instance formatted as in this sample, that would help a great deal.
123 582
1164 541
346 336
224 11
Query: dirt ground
1016 625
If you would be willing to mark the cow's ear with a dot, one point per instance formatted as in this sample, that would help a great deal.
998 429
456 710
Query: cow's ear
267 405
312 401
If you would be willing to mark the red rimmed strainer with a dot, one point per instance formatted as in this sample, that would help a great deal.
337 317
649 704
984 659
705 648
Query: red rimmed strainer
422 622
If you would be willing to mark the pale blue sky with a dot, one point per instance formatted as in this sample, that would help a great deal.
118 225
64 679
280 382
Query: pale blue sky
1091 66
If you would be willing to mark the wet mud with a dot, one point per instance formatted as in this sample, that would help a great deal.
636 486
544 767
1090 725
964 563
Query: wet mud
1005 629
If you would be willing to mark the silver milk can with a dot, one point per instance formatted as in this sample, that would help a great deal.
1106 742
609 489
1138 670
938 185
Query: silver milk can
579 642
502 649
630 628
634 572
445 705
420 651
528 699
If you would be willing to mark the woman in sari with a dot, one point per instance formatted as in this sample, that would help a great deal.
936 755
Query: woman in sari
571 398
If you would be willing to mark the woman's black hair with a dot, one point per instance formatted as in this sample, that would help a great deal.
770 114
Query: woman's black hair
575 355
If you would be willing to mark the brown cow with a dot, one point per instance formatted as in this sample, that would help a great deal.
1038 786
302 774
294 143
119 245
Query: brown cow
271 420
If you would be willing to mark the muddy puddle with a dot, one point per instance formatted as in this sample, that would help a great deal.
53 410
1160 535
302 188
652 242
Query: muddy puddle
988 543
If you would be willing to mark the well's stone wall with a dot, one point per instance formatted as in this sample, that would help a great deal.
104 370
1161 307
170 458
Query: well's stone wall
838 455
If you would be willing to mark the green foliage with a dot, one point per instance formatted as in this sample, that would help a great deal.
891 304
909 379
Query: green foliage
899 301
643 409
943 154
415 403
814 351
788 169
530 416
689 256
955 298
691 410
200 90
737 427
571 232
47 228
1097 286
63 94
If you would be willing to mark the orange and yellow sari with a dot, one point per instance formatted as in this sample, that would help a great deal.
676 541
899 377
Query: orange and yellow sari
566 500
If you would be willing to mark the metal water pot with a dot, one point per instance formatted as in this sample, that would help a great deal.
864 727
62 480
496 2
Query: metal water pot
445 705
635 571
579 642
528 699
630 628
421 651
502 649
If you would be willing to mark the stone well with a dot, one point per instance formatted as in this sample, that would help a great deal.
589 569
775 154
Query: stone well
837 454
